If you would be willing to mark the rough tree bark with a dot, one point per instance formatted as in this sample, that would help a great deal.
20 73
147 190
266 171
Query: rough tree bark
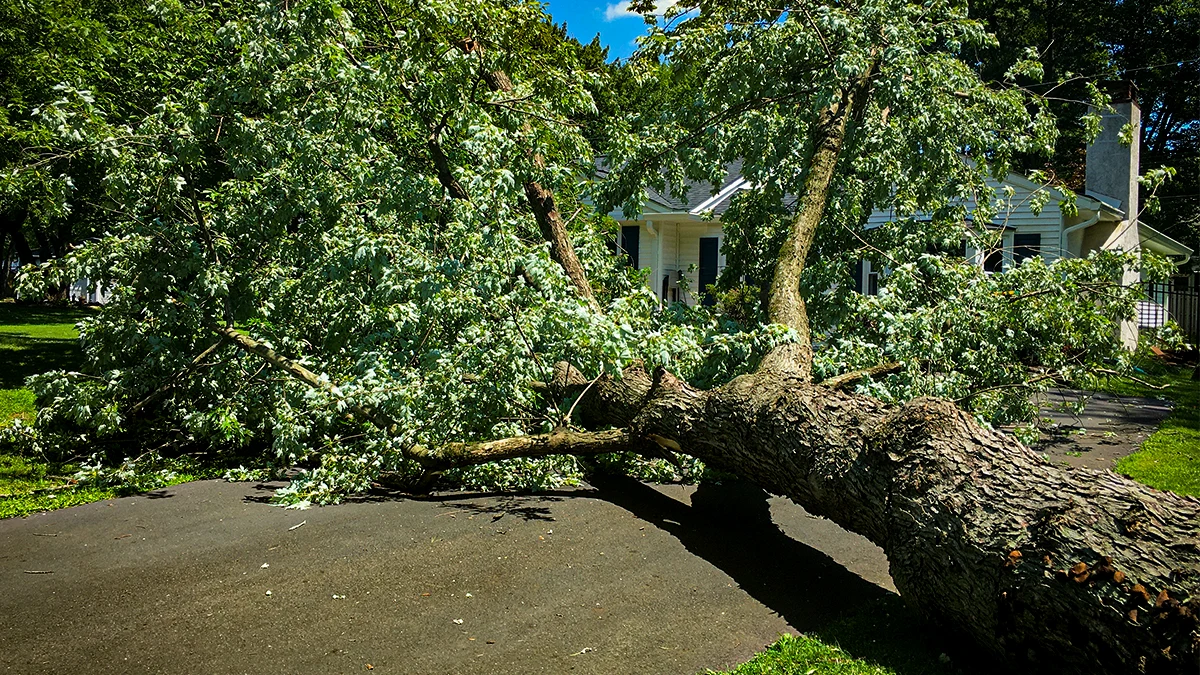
1068 571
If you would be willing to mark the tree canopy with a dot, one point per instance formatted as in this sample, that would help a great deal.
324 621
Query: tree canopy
1155 45
396 199
368 241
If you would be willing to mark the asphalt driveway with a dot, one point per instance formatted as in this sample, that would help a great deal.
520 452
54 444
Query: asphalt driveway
207 578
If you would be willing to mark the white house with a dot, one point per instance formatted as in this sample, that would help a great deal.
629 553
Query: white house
674 237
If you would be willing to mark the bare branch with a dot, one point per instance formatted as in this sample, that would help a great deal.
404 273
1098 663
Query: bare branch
846 379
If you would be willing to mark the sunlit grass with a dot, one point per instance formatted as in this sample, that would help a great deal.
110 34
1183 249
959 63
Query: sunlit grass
1170 458
804 655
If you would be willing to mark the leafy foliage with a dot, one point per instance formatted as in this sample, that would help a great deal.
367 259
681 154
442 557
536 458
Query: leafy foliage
1152 43
74 72
292 191
342 182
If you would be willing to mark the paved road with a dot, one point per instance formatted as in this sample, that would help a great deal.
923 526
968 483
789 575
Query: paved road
207 578
1109 428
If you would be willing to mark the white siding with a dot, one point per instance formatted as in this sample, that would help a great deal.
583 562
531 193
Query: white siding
1016 215
678 236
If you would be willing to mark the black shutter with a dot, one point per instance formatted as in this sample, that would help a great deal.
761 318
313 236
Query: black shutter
708 268
858 281
631 236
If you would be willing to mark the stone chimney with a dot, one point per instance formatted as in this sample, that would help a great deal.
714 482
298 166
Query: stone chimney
1112 168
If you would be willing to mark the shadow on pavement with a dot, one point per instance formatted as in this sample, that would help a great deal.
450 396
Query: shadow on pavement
731 527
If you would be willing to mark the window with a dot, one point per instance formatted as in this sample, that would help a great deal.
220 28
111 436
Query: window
873 283
631 236
1026 246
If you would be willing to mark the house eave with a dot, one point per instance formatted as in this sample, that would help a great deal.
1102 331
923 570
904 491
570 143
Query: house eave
1158 242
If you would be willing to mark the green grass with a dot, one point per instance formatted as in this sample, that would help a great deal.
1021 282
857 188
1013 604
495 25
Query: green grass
16 404
804 655
33 340
882 637
1170 458
28 486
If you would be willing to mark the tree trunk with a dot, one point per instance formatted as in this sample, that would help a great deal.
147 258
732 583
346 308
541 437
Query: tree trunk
1065 570
12 229
13 223
785 305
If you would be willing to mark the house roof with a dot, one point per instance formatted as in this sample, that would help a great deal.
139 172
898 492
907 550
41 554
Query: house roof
698 198
1160 243
701 197
1092 201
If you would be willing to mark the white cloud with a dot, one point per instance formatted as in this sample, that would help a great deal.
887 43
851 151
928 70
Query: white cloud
620 10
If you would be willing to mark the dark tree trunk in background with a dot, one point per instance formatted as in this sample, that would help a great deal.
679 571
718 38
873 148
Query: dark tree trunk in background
5 264
12 234
13 224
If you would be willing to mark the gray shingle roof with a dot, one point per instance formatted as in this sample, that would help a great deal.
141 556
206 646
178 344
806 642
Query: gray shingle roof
696 193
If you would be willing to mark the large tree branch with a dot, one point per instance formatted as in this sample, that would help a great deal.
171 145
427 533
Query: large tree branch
785 304
1067 571
554 230
853 377
541 202
455 455
560 442
445 175
252 346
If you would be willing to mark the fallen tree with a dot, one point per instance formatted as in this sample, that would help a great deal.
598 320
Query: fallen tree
371 231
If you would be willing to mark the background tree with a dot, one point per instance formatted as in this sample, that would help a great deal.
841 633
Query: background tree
68 71
1156 45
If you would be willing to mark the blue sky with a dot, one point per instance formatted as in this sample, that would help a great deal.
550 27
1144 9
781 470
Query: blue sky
611 19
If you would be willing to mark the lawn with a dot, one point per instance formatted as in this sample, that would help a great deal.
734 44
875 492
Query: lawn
33 340
1170 458
36 339
803 655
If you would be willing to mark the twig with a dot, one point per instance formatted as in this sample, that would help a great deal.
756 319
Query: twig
1114 373
998 387
567 419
